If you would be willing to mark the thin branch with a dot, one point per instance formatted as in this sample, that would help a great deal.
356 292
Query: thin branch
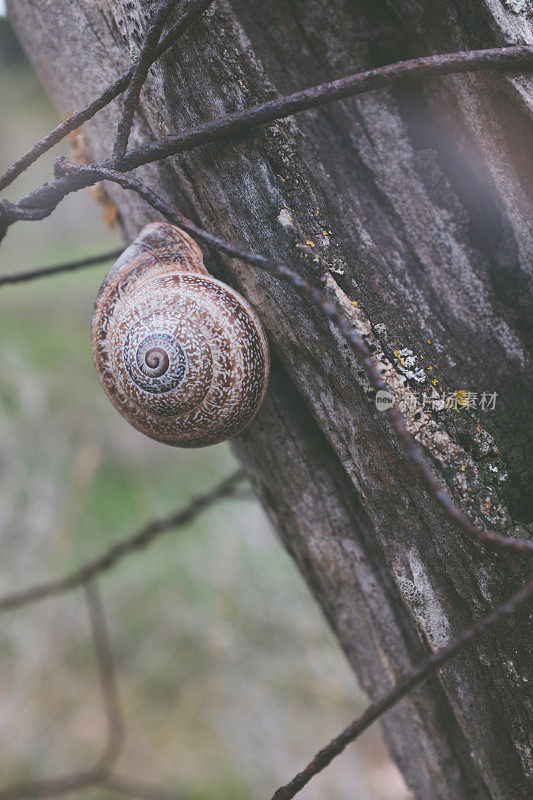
72 266
118 551
42 201
83 779
140 71
108 679
406 683
337 317
193 10
502 58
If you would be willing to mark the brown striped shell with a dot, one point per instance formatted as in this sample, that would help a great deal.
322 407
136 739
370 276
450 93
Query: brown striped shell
182 356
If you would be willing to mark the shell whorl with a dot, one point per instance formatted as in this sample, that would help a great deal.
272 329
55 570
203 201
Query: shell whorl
181 355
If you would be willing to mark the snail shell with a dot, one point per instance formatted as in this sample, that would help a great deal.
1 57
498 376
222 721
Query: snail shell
182 356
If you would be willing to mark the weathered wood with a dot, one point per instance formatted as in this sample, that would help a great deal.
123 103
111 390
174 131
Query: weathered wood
411 208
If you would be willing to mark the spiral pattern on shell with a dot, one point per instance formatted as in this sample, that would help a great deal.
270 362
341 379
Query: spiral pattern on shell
180 354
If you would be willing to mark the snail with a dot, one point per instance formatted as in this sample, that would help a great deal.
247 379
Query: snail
181 355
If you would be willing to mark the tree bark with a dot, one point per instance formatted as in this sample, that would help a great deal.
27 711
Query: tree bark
411 208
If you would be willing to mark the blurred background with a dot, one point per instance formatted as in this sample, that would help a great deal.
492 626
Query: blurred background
229 676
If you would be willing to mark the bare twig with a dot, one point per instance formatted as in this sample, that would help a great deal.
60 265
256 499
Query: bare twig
42 201
193 10
72 266
122 548
83 779
147 56
503 58
108 679
406 683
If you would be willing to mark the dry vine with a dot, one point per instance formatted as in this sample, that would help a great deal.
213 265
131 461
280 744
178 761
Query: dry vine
116 552
72 177
44 272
